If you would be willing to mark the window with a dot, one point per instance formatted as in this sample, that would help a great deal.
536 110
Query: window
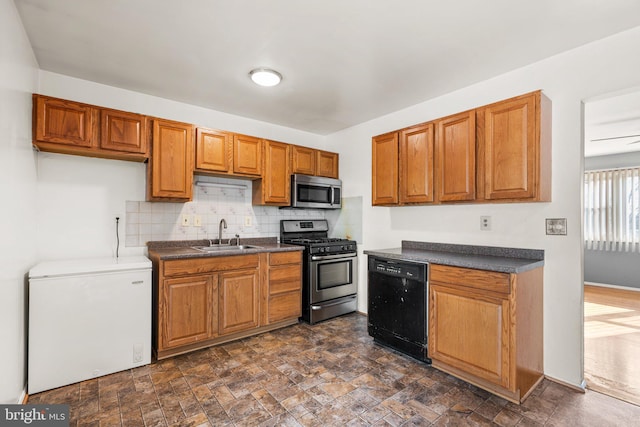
612 209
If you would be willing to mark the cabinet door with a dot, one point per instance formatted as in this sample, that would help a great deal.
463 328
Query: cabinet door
470 331
327 164
285 299
214 150
384 174
276 182
65 122
247 155
510 149
303 160
456 157
238 294
171 164
122 131
416 164
188 311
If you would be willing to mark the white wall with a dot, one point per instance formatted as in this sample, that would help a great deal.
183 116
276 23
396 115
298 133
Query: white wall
567 79
18 79
79 197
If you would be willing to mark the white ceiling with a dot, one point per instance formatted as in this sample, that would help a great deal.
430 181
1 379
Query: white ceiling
612 125
343 61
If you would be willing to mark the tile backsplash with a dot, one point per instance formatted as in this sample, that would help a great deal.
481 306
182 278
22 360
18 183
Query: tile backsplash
231 200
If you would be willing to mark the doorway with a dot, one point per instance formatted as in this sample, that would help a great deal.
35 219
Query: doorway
611 229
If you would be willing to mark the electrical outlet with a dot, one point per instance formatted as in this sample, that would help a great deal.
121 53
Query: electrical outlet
197 220
186 220
485 223
248 220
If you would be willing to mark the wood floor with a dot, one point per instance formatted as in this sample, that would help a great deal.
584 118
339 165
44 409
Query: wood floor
612 342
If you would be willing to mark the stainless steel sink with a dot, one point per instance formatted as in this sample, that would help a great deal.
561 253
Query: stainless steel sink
221 248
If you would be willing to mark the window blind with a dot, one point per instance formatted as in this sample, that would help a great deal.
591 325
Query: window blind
612 209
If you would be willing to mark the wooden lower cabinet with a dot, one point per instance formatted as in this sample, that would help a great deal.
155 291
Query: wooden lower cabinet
238 301
285 286
199 302
188 312
486 328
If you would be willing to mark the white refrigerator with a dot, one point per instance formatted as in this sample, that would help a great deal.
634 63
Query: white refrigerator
87 318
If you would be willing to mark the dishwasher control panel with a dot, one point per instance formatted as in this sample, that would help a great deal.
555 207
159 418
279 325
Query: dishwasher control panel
408 270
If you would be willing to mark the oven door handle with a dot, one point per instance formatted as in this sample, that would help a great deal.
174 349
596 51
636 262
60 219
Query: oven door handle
323 257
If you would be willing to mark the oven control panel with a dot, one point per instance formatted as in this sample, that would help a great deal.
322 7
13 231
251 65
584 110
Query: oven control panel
336 248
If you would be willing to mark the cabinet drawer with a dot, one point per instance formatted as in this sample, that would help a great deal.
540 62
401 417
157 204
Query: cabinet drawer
479 279
285 279
205 265
285 306
279 258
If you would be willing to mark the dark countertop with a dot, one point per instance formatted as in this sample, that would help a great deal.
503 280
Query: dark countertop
181 249
504 260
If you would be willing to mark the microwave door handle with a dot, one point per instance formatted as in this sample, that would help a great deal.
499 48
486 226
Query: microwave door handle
333 189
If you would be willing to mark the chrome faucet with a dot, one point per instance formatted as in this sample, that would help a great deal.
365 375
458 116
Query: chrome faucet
223 223
237 237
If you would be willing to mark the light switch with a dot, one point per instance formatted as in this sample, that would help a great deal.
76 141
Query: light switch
186 220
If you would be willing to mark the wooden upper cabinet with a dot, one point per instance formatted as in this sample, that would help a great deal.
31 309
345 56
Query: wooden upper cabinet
456 157
65 122
514 137
384 178
214 150
68 127
274 187
416 164
247 155
327 164
496 153
122 131
170 169
303 160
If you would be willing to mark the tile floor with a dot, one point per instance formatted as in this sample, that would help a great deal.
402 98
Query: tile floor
329 374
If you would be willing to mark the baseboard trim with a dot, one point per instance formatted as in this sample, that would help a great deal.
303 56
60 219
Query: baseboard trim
24 397
582 388
606 285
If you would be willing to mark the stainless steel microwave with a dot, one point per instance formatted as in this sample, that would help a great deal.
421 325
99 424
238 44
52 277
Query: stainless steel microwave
315 192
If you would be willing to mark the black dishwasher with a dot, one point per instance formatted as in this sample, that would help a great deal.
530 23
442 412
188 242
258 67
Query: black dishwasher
398 304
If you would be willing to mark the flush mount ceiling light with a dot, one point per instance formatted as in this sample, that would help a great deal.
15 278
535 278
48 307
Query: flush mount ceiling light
265 77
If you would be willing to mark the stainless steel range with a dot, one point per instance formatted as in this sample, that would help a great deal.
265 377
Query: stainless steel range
330 269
